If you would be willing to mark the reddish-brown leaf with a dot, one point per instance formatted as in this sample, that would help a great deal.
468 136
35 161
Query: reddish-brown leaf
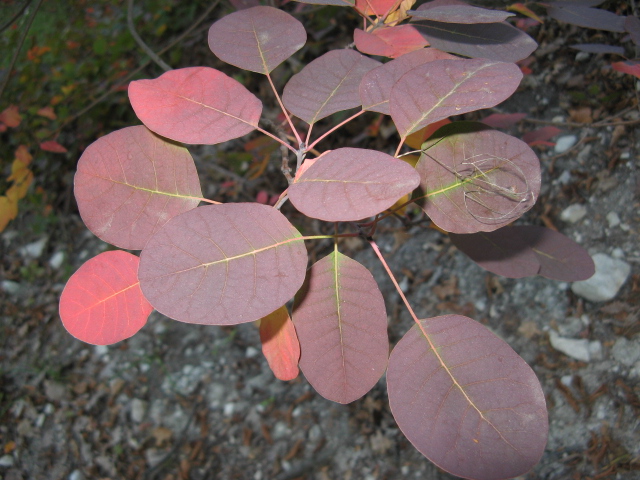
503 120
476 179
376 85
10 116
257 39
459 14
223 264
540 135
47 112
22 154
466 400
130 182
341 322
349 184
443 88
416 139
389 41
280 344
198 105
102 302
327 85
52 146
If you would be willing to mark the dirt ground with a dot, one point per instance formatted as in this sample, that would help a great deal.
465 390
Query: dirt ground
180 401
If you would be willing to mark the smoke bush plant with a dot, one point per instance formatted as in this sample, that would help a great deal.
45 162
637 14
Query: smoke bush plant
460 394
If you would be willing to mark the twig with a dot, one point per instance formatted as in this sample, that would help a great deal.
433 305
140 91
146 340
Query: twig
9 22
132 29
581 125
19 47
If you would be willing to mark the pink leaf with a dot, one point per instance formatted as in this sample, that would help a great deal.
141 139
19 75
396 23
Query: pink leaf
390 41
632 67
459 14
376 85
327 85
10 116
349 184
540 135
102 302
223 264
280 344
503 120
130 182
257 39
443 88
53 146
378 8
197 105
466 400
341 322
476 179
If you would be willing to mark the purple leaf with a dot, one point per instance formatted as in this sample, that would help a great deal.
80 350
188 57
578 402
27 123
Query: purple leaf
475 179
499 41
196 105
349 184
376 85
503 120
327 85
130 182
502 252
632 26
560 257
586 17
598 48
460 14
341 322
223 264
257 39
466 400
337 3
443 88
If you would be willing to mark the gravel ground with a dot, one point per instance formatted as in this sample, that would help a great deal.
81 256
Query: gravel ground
190 402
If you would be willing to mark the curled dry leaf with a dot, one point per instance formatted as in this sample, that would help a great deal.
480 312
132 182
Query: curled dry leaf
280 344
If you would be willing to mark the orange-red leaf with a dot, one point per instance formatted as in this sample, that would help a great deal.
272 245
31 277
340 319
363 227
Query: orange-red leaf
102 302
48 113
390 41
10 116
375 7
632 67
52 146
22 154
280 344
521 8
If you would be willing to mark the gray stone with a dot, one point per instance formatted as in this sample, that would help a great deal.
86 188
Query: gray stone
626 352
580 349
34 249
57 259
138 410
564 143
6 461
610 275
76 475
613 219
573 213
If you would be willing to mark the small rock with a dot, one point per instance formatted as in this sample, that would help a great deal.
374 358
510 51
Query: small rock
6 461
228 409
565 143
573 213
34 249
613 219
580 349
138 410
76 475
251 352
610 275
626 352
153 456
54 391
564 178
56 260
12 288
280 431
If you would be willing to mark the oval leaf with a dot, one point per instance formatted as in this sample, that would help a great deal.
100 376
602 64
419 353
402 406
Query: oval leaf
378 8
257 39
502 252
349 184
280 344
475 179
52 146
102 302
584 16
327 85
196 105
130 182
460 14
466 400
598 48
376 85
341 322
443 88
223 264
560 257
389 41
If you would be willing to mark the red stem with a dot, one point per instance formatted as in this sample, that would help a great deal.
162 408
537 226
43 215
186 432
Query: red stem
321 137
284 110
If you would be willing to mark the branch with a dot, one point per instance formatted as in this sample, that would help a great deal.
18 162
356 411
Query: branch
9 22
19 47
153 55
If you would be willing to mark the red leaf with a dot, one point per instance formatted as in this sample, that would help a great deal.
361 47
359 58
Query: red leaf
349 184
10 116
632 67
341 322
378 8
223 264
503 120
416 139
102 302
540 135
476 179
53 146
48 113
280 344
459 14
376 85
327 85
196 105
257 39
443 88
389 41
466 400
130 182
